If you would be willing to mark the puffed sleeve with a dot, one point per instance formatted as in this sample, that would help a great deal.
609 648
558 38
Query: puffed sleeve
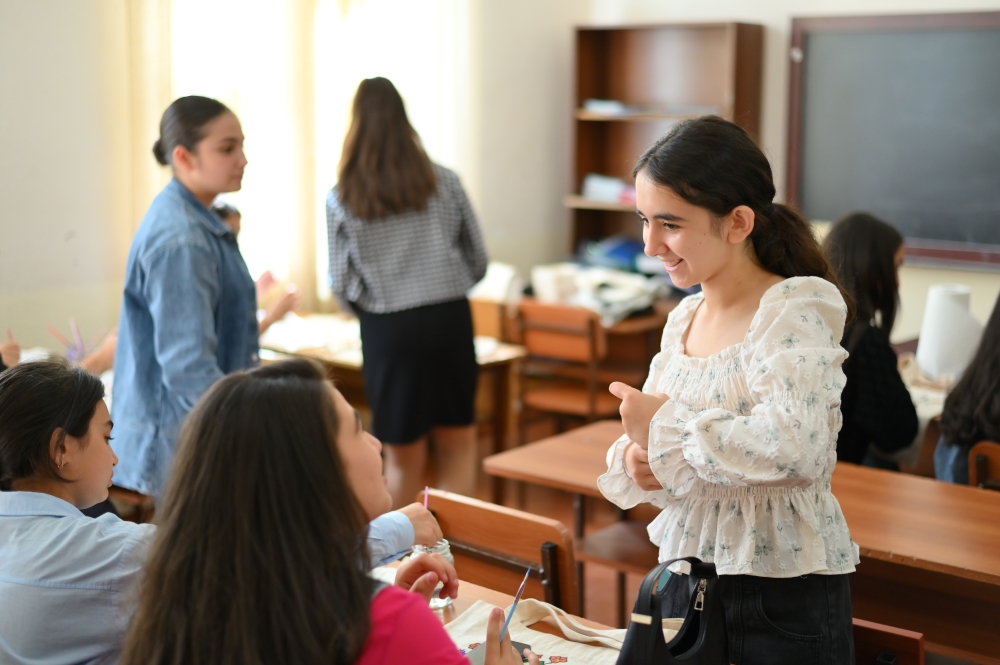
615 484
792 362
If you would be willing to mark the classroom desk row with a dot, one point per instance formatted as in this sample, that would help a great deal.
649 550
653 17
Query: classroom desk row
930 551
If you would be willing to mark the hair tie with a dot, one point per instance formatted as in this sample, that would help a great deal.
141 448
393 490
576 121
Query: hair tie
769 210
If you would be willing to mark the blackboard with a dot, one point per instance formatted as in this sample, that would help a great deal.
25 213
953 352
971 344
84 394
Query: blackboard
900 117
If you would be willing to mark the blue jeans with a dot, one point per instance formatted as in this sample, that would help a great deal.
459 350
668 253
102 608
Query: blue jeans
951 463
802 620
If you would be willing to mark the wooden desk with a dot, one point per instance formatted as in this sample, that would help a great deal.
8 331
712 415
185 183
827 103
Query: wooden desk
334 340
930 558
930 551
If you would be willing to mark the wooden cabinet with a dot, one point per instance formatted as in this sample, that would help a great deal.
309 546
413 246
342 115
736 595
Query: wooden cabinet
662 74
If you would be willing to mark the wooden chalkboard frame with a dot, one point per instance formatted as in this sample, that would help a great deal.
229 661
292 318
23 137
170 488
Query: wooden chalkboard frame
944 253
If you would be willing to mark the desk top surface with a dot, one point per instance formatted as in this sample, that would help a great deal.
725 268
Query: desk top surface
335 340
896 517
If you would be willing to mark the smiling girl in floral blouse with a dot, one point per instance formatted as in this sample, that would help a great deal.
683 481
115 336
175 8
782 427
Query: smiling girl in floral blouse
734 433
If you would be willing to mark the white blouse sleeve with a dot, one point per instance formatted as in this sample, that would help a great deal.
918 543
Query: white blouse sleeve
792 361
615 484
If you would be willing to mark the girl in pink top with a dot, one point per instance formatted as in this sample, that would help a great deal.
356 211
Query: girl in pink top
260 556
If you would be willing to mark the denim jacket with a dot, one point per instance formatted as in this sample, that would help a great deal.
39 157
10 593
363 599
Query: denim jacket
188 317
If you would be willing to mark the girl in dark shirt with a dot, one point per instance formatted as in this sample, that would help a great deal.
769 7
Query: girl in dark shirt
972 409
865 254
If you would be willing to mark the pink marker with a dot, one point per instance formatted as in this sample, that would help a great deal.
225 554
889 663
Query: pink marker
427 494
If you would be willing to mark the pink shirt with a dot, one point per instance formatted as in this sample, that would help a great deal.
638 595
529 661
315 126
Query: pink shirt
405 630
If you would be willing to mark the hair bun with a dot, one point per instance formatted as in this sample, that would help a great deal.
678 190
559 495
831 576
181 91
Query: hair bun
158 152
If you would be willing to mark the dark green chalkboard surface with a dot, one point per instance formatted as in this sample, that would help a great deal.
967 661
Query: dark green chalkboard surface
900 117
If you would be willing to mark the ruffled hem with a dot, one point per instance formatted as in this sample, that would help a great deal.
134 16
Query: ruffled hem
763 531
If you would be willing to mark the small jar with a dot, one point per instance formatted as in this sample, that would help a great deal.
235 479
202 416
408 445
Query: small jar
444 549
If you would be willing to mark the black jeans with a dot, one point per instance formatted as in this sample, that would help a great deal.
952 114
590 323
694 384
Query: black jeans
802 620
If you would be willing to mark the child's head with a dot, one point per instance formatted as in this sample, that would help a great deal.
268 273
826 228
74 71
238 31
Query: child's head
865 253
202 141
229 214
261 551
54 430
706 194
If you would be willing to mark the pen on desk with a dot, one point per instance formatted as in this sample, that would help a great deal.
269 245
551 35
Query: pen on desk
427 494
517 598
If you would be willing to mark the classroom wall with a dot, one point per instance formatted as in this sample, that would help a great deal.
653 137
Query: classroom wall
775 16
522 86
64 166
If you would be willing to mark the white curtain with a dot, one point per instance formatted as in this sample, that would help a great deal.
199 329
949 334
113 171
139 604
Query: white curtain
289 69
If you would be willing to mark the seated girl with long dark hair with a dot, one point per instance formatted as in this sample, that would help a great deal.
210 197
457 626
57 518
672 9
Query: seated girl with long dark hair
261 556
879 417
972 408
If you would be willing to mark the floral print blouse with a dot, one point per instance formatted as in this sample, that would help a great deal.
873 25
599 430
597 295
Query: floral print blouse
746 444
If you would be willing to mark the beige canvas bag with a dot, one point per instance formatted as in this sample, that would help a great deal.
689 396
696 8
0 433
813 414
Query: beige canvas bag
469 630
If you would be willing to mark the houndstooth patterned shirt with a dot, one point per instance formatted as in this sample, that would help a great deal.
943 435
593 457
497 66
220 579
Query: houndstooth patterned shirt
406 260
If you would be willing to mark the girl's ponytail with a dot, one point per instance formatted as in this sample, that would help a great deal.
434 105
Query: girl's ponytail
714 164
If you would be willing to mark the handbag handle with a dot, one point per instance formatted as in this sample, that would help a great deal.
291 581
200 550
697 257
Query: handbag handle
645 610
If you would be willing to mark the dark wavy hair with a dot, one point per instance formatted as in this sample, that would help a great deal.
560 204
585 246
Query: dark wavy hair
861 250
183 123
260 554
383 167
714 164
37 399
972 408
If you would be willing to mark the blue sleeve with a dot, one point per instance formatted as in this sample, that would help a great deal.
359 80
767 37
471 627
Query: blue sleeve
390 536
182 291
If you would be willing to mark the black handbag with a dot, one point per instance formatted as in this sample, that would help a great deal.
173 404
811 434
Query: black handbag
701 639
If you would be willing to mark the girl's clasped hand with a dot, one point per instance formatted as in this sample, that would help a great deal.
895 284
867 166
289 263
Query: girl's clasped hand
637 411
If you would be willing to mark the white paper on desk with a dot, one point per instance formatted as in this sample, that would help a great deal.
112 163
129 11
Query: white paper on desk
334 332
949 335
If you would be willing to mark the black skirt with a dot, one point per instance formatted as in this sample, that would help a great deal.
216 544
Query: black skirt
419 369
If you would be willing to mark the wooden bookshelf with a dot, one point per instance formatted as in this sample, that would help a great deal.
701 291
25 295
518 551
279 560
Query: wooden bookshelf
668 73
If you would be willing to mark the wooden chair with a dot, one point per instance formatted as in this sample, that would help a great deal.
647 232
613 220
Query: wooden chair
131 505
873 641
625 548
565 345
984 465
494 545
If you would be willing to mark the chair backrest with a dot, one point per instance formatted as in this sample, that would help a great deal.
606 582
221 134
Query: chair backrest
872 639
493 546
984 465
561 332
488 318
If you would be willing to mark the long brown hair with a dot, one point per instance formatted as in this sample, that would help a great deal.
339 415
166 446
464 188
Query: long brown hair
714 164
260 553
383 167
862 250
972 408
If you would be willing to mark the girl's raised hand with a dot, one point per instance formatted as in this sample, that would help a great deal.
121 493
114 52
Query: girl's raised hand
422 572
637 410
502 652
